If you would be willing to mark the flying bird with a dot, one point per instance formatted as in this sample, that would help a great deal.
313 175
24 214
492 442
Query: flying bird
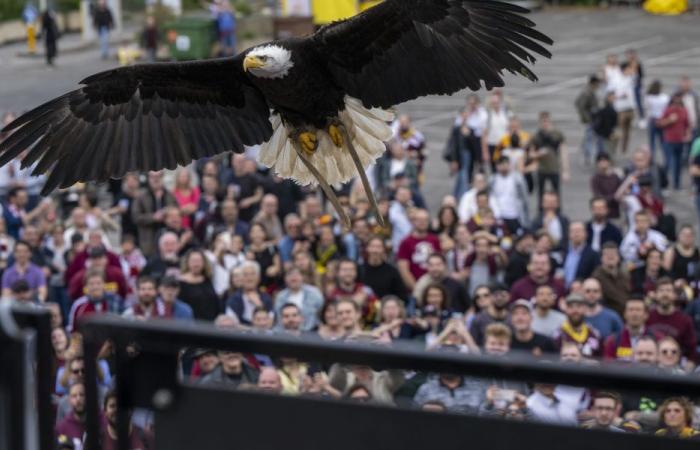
320 105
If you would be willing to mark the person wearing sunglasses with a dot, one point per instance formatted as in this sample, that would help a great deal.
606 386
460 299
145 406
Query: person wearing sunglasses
670 356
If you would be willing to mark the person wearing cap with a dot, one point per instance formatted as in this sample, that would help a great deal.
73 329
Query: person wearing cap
586 106
115 282
168 290
576 330
232 371
24 269
524 338
206 360
496 310
509 190
546 320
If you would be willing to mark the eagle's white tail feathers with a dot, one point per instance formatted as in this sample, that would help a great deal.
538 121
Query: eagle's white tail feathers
368 130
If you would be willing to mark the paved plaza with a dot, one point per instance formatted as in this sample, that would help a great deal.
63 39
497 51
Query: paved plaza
668 47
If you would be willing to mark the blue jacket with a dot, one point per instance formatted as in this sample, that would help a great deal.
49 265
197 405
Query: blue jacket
311 304
235 304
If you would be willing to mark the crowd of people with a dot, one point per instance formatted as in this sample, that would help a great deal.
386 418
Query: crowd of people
498 269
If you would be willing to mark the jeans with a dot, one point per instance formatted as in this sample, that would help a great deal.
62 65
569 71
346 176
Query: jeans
674 152
541 181
655 133
463 178
589 144
638 100
104 42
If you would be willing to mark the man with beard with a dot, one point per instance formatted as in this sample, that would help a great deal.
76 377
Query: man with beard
95 301
576 330
73 425
232 371
381 276
539 273
667 320
147 306
600 230
166 262
524 339
619 346
348 287
613 278
438 274
496 311
603 319
139 439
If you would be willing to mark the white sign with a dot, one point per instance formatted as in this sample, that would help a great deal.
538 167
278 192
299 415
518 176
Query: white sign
182 43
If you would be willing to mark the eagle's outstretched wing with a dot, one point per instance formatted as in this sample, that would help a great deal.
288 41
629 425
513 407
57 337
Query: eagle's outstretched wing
145 117
403 49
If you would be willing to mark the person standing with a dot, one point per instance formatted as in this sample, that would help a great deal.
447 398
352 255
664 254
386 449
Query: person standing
496 127
676 132
103 22
549 151
633 60
49 29
587 106
149 40
226 25
416 248
464 146
624 102
655 103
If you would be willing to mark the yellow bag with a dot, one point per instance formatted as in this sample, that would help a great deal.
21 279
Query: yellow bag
666 7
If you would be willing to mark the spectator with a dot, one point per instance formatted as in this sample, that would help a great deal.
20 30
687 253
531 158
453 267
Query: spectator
196 288
169 290
226 26
682 259
348 314
269 381
599 229
329 327
399 216
232 372
586 106
73 425
496 126
603 319
605 122
676 417
641 239
483 265
95 301
551 155
606 407
224 220
644 278
437 274
148 305
149 210
149 39
667 320
416 248
580 260
691 101
676 132
114 278
575 330
546 406
655 102
292 239
670 356
379 275
509 190
613 278
348 287
243 302
263 251
16 213
24 269
308 299
552 220
380 384
166 262
618 346
137 438
539 273
103 22
267 217
456 392
468 205
546 320
396 162
465 143
496 311
524 338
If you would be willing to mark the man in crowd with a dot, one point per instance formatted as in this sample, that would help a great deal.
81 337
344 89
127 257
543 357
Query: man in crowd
381 276
552 220
548 148
149 211
606 406
269 381
73 425
539 273
586 106
138 438
414 251
24 269
496 311
166 262
580 260
292 236
168 290
290 319
604 184
614 279
224 220
267 217
546 320
667 320
619 346
438 274
348 287
400 212
576 330
115 283
524 339
603 319
349 314
306 298
95 301
640 240
148 305
16 213
509 190
599 229
231 372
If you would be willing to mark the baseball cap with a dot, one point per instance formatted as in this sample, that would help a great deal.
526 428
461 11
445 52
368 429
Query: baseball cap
202 351
575 298
521 302
169 281
498 286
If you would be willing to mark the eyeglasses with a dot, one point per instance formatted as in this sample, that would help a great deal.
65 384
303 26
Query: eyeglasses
77 371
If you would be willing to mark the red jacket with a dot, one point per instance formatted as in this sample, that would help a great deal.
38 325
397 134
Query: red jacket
676 132
618 346
115 283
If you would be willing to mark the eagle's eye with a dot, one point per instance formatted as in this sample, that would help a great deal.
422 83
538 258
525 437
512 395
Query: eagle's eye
264 58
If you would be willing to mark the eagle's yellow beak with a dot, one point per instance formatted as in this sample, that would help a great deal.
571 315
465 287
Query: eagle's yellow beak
252 62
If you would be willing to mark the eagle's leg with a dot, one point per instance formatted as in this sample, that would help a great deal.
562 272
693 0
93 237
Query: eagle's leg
363 175
308 141
335 134
301 152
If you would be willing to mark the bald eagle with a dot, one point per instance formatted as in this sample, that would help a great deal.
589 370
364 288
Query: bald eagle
319 105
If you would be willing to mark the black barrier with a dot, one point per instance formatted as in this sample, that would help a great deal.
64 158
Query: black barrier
146 367
25 378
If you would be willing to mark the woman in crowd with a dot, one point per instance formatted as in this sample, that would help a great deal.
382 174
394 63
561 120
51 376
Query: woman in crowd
644 278
445 226
266 255
681 260
485 262
330 328
395 323
676 418
670 356
196 287
187 194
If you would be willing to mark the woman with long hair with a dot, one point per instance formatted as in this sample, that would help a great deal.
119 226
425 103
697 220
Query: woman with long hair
196 287
187 194
676 418
266 255
329 328
395 323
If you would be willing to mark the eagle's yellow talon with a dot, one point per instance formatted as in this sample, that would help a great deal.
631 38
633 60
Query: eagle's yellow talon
308 141
336 135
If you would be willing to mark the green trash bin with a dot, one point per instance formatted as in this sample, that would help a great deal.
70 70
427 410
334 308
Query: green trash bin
191 38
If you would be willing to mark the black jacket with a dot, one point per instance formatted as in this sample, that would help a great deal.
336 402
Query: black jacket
609 233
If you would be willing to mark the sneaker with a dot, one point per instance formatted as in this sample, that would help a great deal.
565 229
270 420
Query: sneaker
642 124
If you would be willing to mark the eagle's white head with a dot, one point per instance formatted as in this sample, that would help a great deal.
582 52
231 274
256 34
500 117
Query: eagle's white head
268 61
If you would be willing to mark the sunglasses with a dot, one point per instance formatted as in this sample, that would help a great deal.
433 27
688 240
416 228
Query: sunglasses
77 371
669 351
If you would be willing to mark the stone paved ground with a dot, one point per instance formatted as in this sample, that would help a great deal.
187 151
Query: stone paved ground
668 47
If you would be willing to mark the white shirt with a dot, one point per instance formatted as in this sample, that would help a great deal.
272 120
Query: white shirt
624 93
655 105
505 193
476 121
629 249
597 230
396 166
467 206
612 73
497 125
401 226
551 410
